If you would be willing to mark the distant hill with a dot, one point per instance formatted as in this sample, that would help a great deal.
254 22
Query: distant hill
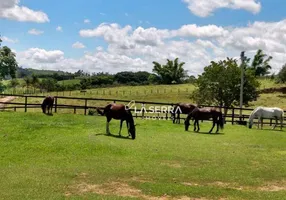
22 72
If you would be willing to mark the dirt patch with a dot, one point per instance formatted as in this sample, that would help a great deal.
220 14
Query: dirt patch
118 188
270 187
274 186
113 188
6 99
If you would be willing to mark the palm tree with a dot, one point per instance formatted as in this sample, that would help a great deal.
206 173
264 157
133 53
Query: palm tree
260 65
172 72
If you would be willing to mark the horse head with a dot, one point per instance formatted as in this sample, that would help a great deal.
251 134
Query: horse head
187 124
43 108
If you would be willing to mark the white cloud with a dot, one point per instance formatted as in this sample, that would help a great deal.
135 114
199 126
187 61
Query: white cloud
6 39
204 8
78 45
59 28
86 21
35 32
10 9
91 62
37 55
192 30
136 48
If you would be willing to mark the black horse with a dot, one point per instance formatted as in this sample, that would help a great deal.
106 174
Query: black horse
181 108
119 112
48 102
205 114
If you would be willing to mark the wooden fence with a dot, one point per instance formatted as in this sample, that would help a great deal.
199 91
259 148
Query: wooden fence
232 116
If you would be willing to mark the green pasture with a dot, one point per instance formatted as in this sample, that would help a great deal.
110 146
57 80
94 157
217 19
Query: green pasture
69 157
69 82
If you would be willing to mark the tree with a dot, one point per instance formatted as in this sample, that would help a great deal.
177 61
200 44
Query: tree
85 83
172 72
281 77
35 81
14 83
8 63
220 85
49 84
260 64
27 81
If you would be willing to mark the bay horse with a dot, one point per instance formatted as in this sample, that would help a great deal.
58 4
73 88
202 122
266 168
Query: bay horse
266 113
118 112
181 108
205 114
48 102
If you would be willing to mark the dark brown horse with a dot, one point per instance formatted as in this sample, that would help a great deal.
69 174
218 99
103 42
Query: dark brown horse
181 108
119 112
48 102
205 114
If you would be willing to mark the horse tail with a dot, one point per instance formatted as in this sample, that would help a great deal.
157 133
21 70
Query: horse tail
221 120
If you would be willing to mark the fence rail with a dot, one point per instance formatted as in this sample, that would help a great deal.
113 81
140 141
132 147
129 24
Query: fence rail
144 113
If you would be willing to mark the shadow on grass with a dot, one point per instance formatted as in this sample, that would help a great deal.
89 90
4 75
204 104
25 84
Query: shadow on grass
212 133
115 136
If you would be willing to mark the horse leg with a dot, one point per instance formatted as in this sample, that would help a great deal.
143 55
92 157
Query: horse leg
276 121
261 123
179 118
195 125
214 122
121 121
198 126
107 126
217 126
127 124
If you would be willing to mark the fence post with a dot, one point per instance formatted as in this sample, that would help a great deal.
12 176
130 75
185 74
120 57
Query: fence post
85 106
232 116
26 100
56 104
143 110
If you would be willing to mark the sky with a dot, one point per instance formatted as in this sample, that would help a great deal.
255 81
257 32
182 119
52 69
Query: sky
125 35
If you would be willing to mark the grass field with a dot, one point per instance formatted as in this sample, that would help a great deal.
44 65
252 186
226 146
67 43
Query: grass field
69 157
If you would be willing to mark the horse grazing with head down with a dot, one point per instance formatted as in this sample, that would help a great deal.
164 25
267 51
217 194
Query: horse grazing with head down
205 114
48 102
119 112
266 113
181 108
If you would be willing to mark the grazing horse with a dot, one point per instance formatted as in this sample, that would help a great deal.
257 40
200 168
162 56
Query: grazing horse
119 112
181 108
266 113
48 102
204 114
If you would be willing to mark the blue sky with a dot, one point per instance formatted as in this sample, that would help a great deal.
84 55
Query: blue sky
129 35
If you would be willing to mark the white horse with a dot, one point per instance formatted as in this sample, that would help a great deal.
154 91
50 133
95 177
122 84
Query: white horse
266 113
